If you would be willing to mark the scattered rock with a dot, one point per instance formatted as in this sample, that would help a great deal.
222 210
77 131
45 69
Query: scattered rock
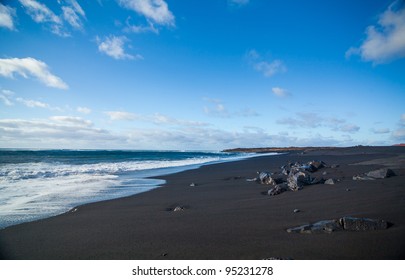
330 181
380 173
318 227
297 210
362 178
345 223
265 178
178 208
362 224
375 174
278 189
193 185
297 180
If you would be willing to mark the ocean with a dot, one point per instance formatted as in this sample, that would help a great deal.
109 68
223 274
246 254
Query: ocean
36 184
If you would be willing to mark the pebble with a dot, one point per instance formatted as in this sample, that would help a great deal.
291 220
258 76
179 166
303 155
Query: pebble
193 185
297 210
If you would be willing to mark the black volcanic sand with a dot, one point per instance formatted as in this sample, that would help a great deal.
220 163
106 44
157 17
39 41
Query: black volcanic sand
227 217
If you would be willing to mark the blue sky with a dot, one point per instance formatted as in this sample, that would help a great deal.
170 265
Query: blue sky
165 74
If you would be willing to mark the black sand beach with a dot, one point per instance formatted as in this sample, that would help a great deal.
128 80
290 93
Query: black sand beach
227 217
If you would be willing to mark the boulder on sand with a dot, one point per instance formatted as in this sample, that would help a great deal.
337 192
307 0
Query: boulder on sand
380 173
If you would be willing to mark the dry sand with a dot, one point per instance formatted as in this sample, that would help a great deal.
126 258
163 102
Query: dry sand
227 217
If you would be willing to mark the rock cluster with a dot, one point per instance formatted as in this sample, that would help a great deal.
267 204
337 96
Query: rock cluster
294 177
345 223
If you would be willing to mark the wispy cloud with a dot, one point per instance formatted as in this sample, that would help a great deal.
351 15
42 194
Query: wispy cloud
114 46
6 97
131 28
280 92
30 67
32 103
216 108
83 110
384 41
380 130
57 131
72 121
40 13
156 11
7 16
121 115
73 14
314 120
267 68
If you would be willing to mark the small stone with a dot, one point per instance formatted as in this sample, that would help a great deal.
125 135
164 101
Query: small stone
324 173
178 208
193 185
334 166
330 182
297 210
348 190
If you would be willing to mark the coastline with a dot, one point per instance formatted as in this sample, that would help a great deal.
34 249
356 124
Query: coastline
227 217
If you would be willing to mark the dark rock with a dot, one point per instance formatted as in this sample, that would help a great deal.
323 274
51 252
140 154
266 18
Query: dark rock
278 189
345 223
316 165
193 185
380 173
266 179
362 224
296 180
297 210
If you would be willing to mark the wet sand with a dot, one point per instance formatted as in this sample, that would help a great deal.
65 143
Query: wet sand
227 217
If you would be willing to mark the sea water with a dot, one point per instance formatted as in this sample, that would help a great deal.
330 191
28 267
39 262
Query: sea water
36 184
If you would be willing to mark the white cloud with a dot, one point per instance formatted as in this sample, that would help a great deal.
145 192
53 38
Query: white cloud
114 46
216 108
72 121
314 120
121 116
83 110
350 128
7 15
156 11
72 13
131 28
55 132
380 130
40 12
267 68
71 17
32 103
385 41
30 67
5 96
280 92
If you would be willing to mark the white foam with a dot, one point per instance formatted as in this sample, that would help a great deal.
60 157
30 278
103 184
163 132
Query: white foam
30 191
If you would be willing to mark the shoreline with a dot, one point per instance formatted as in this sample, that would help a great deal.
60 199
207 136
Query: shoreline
227 217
